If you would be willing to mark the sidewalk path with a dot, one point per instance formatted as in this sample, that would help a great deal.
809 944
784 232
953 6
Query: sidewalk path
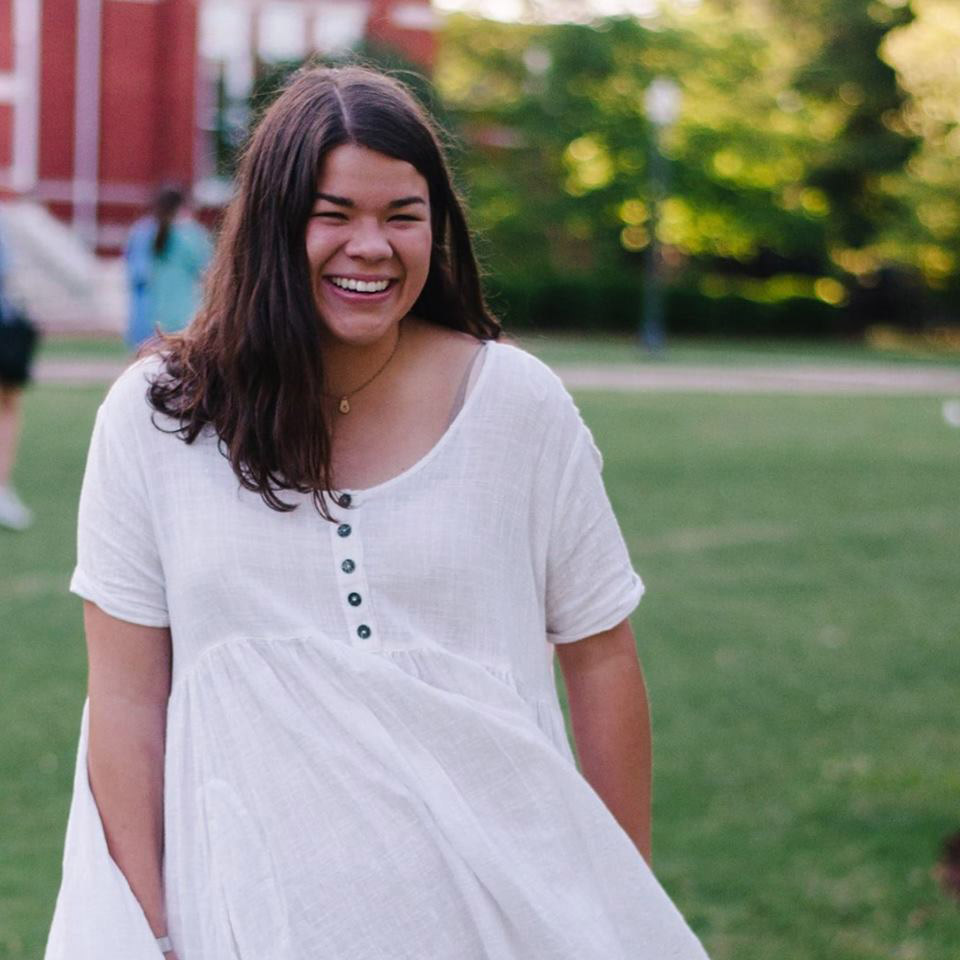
807 378
70 372
652 378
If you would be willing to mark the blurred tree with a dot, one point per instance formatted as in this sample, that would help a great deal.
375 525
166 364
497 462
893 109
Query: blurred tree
790 180
845 75
797 189
558 169
924 54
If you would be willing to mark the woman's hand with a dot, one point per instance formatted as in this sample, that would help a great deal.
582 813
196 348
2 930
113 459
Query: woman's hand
128 688
611 725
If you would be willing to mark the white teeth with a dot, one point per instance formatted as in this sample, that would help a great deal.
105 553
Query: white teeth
361 286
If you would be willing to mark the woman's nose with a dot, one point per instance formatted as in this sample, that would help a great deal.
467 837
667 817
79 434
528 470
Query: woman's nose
367 242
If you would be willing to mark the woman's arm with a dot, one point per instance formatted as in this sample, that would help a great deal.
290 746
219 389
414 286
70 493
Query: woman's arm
128 687
611 725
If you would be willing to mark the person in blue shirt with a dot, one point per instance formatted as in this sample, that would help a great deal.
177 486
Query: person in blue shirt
166 254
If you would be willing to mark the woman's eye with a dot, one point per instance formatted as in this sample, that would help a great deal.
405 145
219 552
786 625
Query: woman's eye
337 215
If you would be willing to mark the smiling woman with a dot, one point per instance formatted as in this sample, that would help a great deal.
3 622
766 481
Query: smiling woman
343 184
329 539
368 242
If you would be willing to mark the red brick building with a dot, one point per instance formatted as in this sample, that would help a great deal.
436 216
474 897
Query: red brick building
101 100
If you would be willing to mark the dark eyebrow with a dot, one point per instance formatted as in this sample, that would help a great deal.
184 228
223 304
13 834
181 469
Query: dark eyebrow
346 202
405 201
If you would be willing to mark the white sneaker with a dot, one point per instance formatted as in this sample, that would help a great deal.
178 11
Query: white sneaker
13 513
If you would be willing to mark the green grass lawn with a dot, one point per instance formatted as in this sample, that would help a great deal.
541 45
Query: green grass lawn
557 349
799 636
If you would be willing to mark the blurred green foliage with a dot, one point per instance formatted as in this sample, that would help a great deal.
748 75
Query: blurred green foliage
810 190
813 184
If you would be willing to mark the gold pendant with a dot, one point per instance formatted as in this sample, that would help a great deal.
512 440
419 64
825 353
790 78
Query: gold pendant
344 405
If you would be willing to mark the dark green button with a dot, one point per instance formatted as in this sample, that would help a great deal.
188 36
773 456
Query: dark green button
348 566
363 631
344 529
345 499
353 599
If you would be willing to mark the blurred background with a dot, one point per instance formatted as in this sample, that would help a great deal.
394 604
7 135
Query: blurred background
733 227
793 165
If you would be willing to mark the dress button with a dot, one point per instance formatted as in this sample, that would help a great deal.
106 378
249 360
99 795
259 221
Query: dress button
348 566
345 499
344 529
363 631
354 599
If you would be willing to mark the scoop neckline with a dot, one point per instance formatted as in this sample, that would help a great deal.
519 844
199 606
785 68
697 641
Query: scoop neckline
363 493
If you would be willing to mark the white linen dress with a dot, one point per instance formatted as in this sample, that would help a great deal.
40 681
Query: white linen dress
366 758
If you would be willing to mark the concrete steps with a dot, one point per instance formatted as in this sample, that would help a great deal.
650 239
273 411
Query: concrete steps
51 273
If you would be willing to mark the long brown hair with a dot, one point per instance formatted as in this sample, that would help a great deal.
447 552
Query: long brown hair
250 364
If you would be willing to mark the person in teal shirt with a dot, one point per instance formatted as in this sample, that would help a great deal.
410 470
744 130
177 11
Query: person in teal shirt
166 254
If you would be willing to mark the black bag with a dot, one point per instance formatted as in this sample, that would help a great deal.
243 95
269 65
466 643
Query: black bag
18 342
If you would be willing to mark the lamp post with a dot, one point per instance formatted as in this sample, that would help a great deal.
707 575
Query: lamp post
662 106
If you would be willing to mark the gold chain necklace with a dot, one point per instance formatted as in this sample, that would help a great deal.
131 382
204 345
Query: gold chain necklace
344 405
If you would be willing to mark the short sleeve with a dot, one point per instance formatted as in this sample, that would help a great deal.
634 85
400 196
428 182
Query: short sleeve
118 564
591 585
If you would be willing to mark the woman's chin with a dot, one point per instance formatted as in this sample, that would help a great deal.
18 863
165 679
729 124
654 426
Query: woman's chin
361 332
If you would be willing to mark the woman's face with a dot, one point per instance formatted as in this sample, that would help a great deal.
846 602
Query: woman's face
368 242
